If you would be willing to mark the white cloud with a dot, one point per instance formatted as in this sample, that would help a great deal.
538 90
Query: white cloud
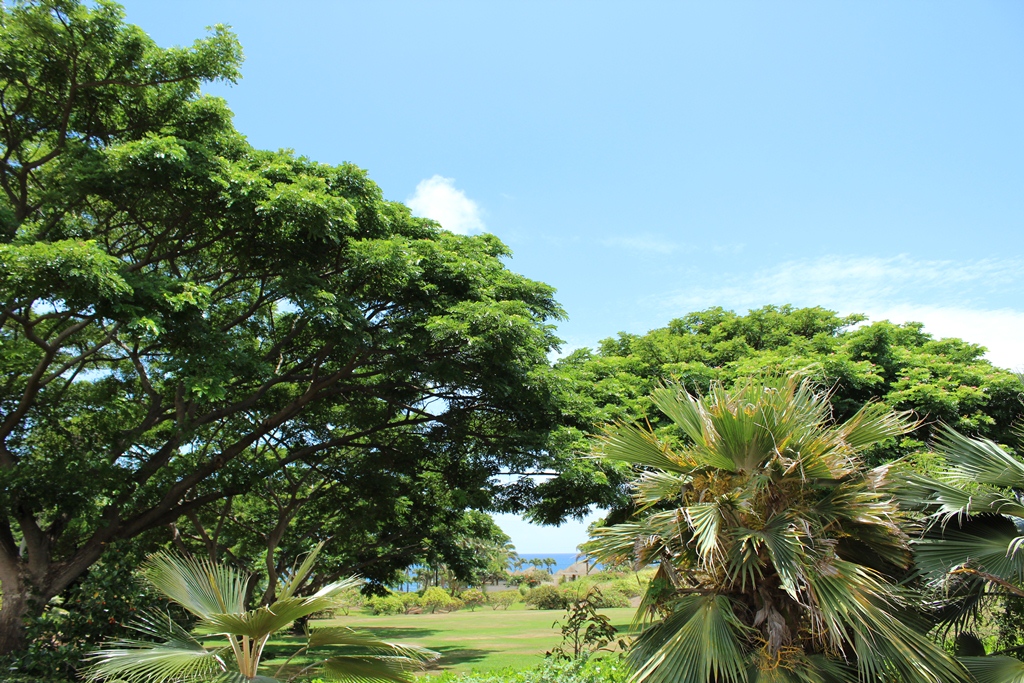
646 243
951 299
998 330
438 198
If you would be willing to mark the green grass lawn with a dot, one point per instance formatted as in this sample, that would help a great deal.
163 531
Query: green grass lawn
484 640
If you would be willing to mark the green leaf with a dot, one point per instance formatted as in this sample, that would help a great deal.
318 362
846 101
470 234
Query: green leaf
994 669
697 643
200 586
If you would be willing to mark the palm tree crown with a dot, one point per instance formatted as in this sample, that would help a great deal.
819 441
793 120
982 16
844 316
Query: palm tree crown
216 595
777 551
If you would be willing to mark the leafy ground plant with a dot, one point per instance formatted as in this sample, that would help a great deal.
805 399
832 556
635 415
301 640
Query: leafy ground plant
215 594
584 630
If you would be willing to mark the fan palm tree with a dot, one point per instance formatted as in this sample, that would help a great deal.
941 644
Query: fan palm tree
215 595
777 551
972 552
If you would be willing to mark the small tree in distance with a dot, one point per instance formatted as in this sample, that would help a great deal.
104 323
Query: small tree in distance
435 598
504 599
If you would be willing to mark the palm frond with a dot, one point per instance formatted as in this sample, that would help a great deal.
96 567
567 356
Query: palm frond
858 608
987 543
786 550
994 669
705 520
946 501
179 657
978 461
291 582
654 487
697 643
637 446
684 410
875 422
202 587
624 542
370 669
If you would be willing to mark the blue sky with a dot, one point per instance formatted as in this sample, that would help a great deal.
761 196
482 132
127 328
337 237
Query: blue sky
650 159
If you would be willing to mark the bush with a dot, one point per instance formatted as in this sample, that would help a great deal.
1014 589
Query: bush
546 597
386 604
473 598
610 597
436 598
631 588
504 599
350 600
410 601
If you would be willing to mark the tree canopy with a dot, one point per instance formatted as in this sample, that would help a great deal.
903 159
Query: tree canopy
183 316
940 380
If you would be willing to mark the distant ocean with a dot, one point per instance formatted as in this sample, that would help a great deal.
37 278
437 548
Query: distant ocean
564 560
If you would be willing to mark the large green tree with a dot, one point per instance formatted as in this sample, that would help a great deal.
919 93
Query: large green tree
182 316
940 380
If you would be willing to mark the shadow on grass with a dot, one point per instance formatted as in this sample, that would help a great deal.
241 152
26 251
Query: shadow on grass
452 655
398 633
275 655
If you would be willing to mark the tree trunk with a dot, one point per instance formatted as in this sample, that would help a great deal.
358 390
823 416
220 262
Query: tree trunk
300 625
16 603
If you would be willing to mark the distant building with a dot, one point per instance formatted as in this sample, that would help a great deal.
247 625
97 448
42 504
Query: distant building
573 571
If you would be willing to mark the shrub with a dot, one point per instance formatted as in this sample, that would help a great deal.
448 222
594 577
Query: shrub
610 597
473 598
630 587
456 604
435 598
546 597
348 601
386 604
504 599
410 601
584 630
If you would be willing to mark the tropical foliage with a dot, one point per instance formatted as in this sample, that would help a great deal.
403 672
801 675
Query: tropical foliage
778 553
216 596
972 551
941 380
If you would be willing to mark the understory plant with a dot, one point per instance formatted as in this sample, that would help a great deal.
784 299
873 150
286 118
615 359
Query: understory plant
779 553
216 595
584 629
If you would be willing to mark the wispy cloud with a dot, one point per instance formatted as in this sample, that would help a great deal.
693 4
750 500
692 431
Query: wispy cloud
438 198
644 243
951 298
